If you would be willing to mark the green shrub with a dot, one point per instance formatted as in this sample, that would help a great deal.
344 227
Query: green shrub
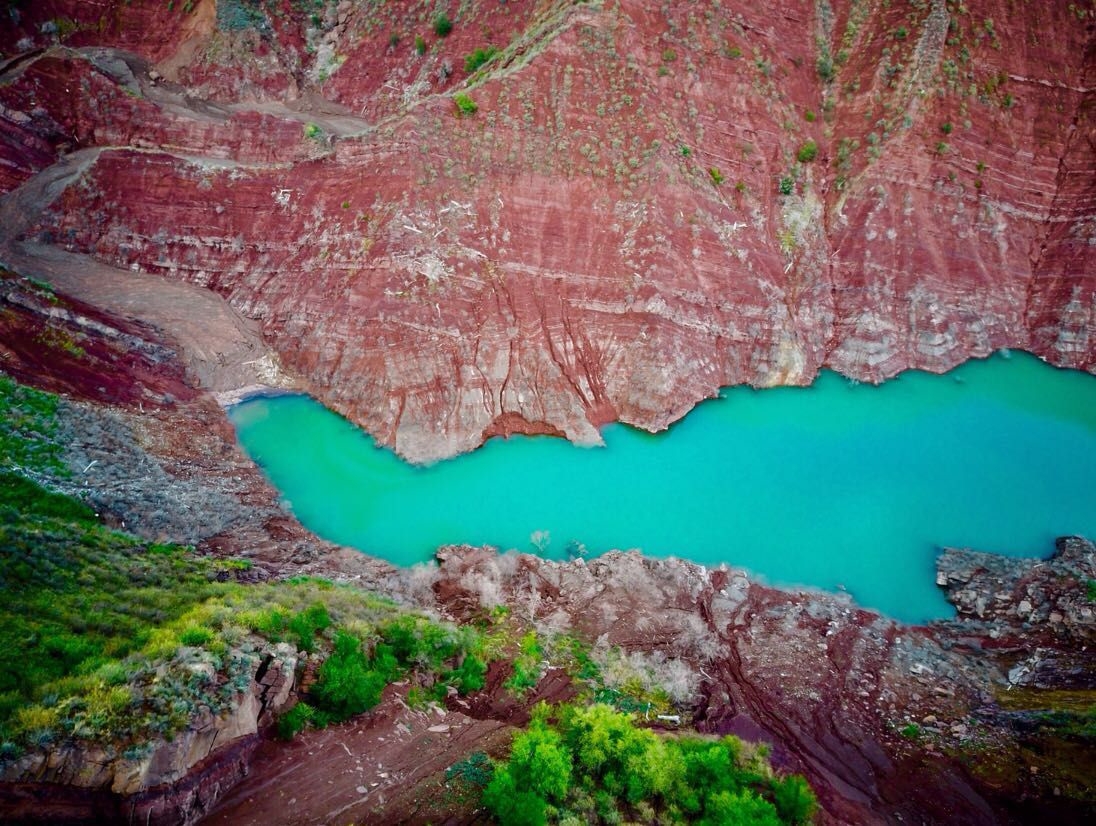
420 45
537 773
465 104
348 683
715 175
442 25
596 765
795 802
416 641
745 808
313 132
236 15
478 58
305 625
526 664
294 721
476 769
787 185
471 675
195 636
272 623
807 152
418 698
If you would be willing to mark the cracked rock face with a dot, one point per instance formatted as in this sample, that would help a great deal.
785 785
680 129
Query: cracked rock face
630 220
1028 603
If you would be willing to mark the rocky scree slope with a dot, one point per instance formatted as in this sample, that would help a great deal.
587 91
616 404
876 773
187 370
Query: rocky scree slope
649 202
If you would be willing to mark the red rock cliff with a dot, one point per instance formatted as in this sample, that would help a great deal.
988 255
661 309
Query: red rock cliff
649 202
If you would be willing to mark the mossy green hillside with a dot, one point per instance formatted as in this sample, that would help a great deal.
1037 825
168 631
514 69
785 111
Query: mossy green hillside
28 429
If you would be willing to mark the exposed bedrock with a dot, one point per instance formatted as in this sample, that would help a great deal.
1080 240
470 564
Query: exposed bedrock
633 217
882 718
168 781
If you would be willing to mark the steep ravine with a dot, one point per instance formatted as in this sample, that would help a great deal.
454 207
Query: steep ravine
629 221
831 686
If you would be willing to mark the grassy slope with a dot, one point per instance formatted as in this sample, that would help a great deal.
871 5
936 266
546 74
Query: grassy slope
110 639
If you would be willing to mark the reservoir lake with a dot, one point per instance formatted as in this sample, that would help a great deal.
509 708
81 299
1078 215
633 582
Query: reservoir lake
838 486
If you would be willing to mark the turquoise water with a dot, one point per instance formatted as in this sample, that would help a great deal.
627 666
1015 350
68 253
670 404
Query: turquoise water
836 485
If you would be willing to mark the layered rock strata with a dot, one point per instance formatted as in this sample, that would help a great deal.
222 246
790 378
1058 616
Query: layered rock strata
648 203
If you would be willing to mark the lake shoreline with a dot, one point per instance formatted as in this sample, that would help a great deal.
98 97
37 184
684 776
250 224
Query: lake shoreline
840 486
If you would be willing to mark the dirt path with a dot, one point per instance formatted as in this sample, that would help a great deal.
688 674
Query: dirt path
223 351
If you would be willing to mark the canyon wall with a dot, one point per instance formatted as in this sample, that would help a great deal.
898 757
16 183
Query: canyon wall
650 202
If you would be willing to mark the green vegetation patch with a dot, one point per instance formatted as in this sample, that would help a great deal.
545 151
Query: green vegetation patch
465 105
92 616
237 15
28 429
109 639
479 58
595 765
366 659
807 152
527 665
476 770
84 609
443 26
1067 713
27 497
